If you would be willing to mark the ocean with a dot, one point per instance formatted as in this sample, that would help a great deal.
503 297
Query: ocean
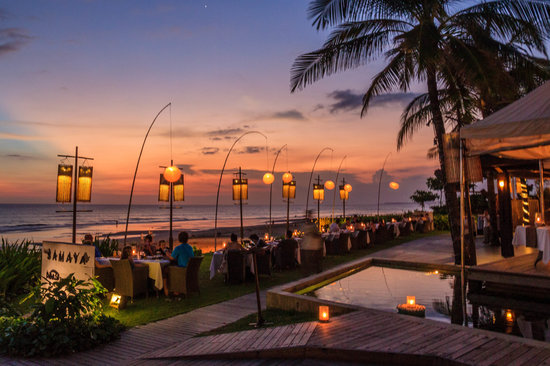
38 222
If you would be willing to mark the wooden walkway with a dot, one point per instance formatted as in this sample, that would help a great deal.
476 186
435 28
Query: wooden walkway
368 336
142 339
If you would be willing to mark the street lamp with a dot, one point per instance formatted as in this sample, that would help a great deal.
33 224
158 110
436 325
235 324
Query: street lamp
345 189
171 189
318 195
289 192
81 184
240 193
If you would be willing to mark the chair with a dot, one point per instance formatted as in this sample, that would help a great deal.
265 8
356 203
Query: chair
185 280
312 261
264 262
359 240
106 277
381 235
286 254
130 282
331 245
342 244
235 267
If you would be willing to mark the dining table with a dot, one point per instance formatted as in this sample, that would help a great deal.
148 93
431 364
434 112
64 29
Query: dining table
543 244
155 266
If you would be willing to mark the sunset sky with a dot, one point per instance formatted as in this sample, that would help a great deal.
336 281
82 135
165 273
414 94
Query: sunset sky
95 74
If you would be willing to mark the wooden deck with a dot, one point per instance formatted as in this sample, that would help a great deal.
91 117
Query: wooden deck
157 335
367 336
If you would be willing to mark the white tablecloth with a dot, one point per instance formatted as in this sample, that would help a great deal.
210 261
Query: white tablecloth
155 270
520 236
216 262
543 242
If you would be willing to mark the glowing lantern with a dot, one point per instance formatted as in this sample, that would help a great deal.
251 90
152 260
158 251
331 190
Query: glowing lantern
394 185
324 314
509 316
344 195
268 178
329 185
538 219
118 301
64 183
411 300
224 244
84 193
164 189
172 174
287 177
289 189
266 237
501 184
240 189
178 190
348 188
318 192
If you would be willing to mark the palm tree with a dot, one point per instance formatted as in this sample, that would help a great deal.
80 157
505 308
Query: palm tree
426 41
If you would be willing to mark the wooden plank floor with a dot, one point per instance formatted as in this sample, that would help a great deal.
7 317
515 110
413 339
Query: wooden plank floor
367 335
157 335
519 264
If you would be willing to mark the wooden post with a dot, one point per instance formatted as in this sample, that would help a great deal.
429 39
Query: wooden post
75 192
171 237
505 213
491 198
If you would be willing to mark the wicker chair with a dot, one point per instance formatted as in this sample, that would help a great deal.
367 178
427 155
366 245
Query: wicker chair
264 262
342 244
106 277
130 282
331 245
312 261
235 267
286 254
185 280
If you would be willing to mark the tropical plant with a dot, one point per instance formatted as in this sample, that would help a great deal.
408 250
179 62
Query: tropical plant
435 183
436 42
19 267
106 246
421 197
67 317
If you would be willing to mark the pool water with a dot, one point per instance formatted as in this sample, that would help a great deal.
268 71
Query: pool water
385 288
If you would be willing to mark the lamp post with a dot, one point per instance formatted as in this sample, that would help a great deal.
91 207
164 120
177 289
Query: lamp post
311 175
379 184
220 183
318 195
271 187
289 192
334 196
81 184
240 193
345 189
171 188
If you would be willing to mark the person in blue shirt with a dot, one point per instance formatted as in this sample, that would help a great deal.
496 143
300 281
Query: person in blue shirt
180 255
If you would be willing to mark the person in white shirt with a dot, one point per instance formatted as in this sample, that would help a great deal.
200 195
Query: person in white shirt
486 228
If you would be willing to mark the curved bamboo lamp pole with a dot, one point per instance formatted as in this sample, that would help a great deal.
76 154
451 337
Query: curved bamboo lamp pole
271 188
311 175
336 188
220 182
379 184
135 172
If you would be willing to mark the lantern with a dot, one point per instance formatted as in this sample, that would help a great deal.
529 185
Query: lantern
64 183
172 174
344 195
348 188
268 178
287 177
394 185
324 314
329 185
240 189
509 316
289 190
318 192
84 193
178 190
411 300
501 183
164 189
118 301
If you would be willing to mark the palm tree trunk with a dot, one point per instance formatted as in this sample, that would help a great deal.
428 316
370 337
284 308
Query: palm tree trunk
449 188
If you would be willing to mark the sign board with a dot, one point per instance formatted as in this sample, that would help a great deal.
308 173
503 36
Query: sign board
61 259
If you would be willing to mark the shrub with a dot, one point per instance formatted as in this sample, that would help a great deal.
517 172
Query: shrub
197 252
441 223
67 318
19 268
106 246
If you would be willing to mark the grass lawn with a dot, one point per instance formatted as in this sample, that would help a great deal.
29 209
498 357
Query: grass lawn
275 317
144 311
